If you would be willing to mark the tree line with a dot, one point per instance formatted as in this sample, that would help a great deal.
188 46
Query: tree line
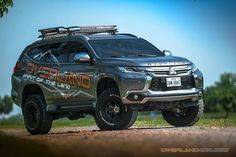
222 95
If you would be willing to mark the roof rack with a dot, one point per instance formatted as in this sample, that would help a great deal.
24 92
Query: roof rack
73 30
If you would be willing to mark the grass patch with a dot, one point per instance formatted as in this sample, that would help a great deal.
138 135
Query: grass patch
208 120
15 121
144 120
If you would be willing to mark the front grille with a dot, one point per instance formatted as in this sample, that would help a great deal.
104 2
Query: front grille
159 84
167 72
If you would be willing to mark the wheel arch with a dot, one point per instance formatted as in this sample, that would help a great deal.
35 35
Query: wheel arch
30 89
106 83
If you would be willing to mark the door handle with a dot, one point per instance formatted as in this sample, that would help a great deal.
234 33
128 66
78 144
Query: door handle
67 72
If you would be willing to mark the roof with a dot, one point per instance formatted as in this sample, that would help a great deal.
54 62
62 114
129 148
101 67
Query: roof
86 37
109 36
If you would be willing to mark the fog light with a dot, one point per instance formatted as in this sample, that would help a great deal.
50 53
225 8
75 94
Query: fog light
135 97
200 94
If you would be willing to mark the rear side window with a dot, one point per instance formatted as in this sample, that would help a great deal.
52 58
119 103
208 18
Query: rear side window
36 53
53 53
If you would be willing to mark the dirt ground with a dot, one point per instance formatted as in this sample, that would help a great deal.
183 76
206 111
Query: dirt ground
89 141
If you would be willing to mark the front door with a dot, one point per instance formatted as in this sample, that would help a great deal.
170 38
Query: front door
75 80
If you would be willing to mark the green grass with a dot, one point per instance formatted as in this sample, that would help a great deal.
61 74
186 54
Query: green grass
12 122
208 120
144 120
18 122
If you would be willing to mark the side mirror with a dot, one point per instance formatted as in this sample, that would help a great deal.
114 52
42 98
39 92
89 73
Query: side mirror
167 53
82 57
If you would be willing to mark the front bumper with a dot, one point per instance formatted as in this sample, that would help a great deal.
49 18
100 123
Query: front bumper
146 95
157 96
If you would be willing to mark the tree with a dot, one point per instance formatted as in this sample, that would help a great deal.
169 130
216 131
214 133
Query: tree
6 105
227 92
4 5
211 100
222 95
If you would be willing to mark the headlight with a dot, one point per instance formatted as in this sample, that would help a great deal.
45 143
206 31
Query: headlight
193 67
129 70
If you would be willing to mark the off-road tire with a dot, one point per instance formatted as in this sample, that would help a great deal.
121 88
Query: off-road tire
133 119
128 115
194 114
43 121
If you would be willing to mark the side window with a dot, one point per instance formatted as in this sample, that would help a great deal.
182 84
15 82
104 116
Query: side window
56 53
36 53
74 48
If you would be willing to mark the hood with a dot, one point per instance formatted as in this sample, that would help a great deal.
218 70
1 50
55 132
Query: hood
144 61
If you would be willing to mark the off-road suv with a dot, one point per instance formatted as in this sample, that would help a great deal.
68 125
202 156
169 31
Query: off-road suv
77 71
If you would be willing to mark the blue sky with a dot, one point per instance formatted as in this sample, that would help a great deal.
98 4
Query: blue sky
203 31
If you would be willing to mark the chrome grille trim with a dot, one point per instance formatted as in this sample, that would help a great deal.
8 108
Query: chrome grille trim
165 71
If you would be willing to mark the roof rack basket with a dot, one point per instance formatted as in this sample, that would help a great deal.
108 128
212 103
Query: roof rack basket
73 30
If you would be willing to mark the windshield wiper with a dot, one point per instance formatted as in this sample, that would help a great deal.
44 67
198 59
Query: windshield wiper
113 56
141 55
117 56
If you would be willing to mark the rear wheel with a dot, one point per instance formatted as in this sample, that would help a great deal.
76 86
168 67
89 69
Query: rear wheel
37 120
111 113
184 116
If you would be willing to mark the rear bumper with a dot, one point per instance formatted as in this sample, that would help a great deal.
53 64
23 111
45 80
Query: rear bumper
157 96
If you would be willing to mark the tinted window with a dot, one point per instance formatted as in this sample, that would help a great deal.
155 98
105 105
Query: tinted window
74 48
36 53
124 48
56 53
53 53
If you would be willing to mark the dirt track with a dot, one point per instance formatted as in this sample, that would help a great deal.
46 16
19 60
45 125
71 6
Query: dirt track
90 141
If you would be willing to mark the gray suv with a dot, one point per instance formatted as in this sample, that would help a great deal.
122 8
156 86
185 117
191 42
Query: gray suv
94 70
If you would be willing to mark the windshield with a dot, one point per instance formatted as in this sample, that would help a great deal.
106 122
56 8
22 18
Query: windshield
124 48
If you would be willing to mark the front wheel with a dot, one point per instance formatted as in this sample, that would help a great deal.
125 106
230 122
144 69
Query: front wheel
184 116
111 113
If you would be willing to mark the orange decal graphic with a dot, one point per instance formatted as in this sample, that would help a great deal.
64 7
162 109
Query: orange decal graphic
47 73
